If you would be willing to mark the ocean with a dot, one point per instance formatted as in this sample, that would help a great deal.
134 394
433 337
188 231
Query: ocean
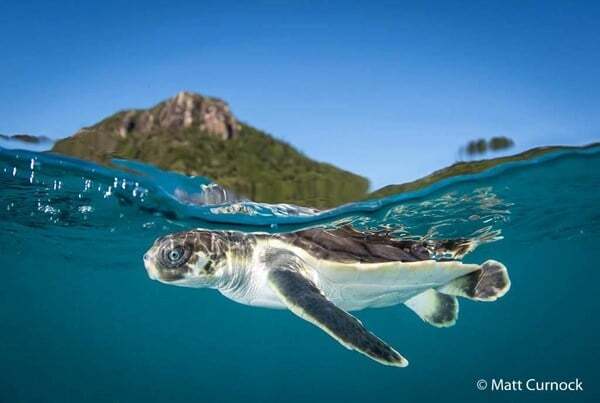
81 320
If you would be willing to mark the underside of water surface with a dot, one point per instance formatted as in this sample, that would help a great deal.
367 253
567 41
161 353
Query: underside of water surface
81 321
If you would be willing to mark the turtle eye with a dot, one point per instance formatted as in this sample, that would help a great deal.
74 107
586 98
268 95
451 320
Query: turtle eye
175 256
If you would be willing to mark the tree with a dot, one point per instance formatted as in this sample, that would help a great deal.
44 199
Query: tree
481 146
500 143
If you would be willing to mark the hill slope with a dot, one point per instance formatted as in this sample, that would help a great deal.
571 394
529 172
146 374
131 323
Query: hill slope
466 168
198 135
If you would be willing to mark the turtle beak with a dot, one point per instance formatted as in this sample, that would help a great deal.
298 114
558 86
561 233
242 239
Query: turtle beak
150 267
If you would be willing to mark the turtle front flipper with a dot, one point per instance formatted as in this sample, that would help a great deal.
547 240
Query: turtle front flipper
305 299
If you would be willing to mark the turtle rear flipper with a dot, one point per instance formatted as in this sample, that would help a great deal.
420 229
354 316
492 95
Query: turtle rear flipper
452 248
487 284
435 308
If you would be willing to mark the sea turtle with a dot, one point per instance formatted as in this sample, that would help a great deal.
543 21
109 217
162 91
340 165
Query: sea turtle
321 274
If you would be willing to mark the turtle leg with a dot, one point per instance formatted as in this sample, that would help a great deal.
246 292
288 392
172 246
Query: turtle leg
487 284
435 308
307 301
452 248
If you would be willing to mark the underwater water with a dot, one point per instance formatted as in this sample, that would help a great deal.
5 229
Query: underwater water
81 321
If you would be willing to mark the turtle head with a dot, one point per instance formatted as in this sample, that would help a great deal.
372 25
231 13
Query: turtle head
187 259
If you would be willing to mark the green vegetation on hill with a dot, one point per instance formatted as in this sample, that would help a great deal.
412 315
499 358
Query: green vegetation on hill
25 138
463 168
198 135
252 164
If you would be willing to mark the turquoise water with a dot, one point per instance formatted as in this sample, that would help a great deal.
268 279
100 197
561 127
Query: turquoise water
82 322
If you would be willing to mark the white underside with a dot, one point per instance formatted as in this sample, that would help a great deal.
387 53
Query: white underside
353 286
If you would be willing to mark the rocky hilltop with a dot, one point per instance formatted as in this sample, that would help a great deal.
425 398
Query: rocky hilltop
199 135
185 110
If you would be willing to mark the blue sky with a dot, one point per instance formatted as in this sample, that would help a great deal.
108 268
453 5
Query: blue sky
389 90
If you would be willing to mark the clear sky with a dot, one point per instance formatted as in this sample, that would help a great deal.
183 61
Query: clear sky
389 90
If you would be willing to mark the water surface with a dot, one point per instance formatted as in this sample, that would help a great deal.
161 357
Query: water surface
82 322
